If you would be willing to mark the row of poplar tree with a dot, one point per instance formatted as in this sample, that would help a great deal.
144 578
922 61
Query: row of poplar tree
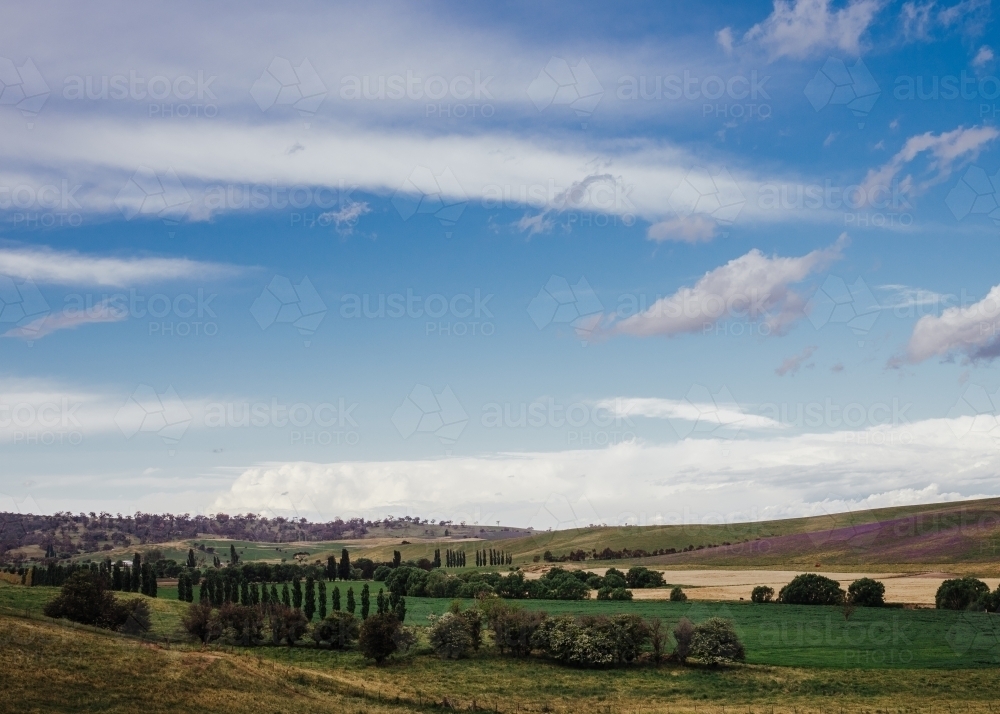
493 557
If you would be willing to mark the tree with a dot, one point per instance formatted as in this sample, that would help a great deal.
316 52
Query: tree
191 562
136 579
310 603
116 577
762 593
397 558
400 609
233 557
331 568
378 637
322 599
437 558
657 638
286 599
297 593
203 595
201 622
866 593
344 569
336 598
380 602
340 630
450 637
960 593
366 601
683 634
83 598
246 623
287 624
351 605
254 594
274 595
677 595
716 642
245 593
182 585
811 589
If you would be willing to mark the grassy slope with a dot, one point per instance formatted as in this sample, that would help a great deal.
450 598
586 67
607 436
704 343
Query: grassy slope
47 667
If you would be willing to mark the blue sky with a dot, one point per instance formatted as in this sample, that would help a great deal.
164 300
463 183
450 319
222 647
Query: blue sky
551 266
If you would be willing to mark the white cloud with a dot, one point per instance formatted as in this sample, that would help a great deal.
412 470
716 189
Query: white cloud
347 216
983 57
928 21
752 286
793 364
972 331
659 408
946 150
904 296
67 319
53 267
694 480
725 39
803 28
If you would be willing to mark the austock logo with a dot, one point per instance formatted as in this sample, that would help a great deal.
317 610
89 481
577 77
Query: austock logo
160 195
976 194
299 305
424 412
424 192
559 84
22 87
560 303
22 309
281 84
836 83
837 302
163 414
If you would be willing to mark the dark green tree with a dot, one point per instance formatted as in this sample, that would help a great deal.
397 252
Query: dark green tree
136 572
397 558
233 557
182 586
344 569
336 599
286 599
244 593
322 599
116 576
366 601
351 605
203 595
331 568
274 594
191 563
380 602
296 593
310 604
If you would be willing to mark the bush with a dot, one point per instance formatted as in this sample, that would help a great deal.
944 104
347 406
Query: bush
288 624
607 593
381 573
683 633
450 637
84 598
677 595
960 593
202 622
592 641
245 623
811 589
512 627
640 577
339 630
715 642
762 593
866 593
379 636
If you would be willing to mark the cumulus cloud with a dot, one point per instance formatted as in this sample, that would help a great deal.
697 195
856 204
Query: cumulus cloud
803 28
753 286
54 267
945 151
693 480
972 331
793 364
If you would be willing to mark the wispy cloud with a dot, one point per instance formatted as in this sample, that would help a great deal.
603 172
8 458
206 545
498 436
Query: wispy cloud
68 319
793 364
53 267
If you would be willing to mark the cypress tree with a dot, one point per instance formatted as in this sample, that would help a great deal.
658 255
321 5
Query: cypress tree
265 596
152 581
233 557
380 602
245 593
297 593
116 577
254 594
437 558
182 585
344 571
226 594
401 609
336 599
350 600
136 573
322 599
366 601
191 561
189 591
397 558
310 604
331 568
203 592
285 598
274 594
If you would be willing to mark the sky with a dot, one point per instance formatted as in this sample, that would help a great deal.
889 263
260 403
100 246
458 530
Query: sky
548 266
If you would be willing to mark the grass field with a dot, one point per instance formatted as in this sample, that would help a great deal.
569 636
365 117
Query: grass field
780 635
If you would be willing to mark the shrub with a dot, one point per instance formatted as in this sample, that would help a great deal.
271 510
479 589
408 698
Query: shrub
132 616
592 641
379 636
811 589
677 595
512 627
960 593
85 598
762 593
715 642
288 624
450 637
381 573
339 629
614 580
202 622
866 593
245 623
683 633
607 593
640 577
